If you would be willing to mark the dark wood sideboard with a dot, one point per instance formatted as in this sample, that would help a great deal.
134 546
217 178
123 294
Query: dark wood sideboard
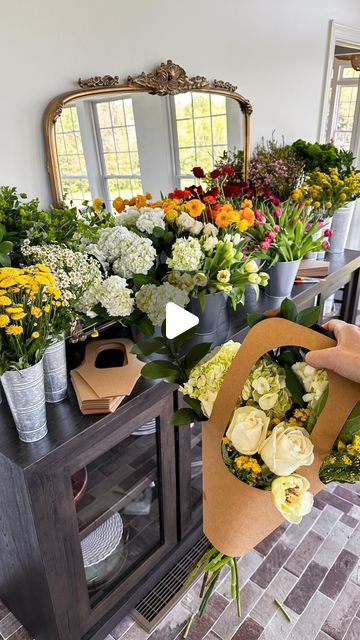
42 575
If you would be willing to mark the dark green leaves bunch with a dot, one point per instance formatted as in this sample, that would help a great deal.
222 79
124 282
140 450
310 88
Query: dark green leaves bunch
323 157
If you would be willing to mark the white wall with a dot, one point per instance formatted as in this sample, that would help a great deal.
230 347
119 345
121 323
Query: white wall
275 51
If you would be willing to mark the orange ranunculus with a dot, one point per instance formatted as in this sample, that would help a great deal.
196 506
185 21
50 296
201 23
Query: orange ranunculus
209 200
195 208
248 215
246 203
140 201
223 219
119 204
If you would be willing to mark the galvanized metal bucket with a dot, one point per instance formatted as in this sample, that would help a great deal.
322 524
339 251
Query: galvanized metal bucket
55 375
282 276
25 393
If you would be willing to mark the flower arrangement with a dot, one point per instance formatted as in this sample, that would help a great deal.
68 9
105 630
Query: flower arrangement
268 436
328 190
286 232
275 167
29 303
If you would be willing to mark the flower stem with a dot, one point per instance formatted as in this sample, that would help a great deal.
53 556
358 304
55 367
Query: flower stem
286 615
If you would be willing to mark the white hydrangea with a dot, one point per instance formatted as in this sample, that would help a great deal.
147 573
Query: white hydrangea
127 218
74 272
89 299
150 218
128 252
186 255
116 297
152 300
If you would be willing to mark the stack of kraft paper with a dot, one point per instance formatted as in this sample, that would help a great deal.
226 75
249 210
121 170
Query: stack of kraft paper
100 389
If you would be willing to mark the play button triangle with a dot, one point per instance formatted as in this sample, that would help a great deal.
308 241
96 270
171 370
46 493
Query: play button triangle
178 320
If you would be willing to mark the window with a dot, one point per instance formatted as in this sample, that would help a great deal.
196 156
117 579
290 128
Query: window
115 125
343 105
71 157
200 132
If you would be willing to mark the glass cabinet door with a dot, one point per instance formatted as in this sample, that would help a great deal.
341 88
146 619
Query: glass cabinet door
189 454
125 503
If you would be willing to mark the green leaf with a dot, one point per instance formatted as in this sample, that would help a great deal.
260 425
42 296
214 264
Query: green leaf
183 337
317 409
145 325
308 317
183 416
5 260
149 346
287 357
162 370
196 354
288 310
294 385
196 406
254 318
351 427
158 232
140 279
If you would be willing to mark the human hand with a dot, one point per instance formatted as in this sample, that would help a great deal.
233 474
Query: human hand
344 359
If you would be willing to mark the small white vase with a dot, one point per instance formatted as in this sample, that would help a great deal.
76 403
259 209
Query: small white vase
340 225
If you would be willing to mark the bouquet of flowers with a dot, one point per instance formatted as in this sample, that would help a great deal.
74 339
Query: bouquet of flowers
329 190
286 232
29 304
267 437
275 167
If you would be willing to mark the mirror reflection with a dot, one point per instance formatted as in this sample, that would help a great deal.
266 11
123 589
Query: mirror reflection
127 143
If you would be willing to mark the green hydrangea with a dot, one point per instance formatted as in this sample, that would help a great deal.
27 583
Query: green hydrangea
266 386
207 376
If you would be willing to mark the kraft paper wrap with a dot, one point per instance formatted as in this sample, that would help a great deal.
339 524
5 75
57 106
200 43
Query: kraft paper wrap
236 516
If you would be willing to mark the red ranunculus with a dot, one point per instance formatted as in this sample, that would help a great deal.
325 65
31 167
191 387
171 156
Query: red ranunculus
198 172
215 192
215 174
209 200
232 190
229 171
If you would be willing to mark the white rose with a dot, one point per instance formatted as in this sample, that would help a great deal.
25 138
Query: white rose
210 230
247 429
287 449
184 220
196 227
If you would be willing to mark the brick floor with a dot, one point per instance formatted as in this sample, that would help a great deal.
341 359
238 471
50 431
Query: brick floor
312 569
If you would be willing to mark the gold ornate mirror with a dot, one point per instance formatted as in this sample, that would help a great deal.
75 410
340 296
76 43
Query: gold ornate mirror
107 139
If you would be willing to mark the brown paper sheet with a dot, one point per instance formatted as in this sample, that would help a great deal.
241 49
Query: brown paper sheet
237 516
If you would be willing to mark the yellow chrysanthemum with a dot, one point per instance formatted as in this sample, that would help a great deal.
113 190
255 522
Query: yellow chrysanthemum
14 330
4 320
97 204
44 279
18 316
54 291
36 312
242 225
46 308
5 300
42 267
7 282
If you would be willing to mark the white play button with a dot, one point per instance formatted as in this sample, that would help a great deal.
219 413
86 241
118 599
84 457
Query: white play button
178 320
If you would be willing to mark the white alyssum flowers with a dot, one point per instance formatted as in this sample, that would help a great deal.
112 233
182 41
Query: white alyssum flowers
186 255
152 300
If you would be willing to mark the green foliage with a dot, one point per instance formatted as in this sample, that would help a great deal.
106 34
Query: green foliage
5 248
351 427
294 385
323 157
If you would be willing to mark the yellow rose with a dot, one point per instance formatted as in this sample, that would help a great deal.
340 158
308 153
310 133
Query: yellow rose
248 429
287 449
291 497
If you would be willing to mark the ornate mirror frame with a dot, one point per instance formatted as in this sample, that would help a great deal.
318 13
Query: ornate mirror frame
167 79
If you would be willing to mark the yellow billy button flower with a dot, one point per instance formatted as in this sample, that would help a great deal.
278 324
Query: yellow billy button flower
4 320
35 334
5 300
291 497
36 312
14 330
94 334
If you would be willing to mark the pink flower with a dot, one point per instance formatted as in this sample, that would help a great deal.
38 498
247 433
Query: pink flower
308 227
276 228
263 219
256 248
325 244
257 213
278 212
265 245
275 200
270 236
320 224
328 233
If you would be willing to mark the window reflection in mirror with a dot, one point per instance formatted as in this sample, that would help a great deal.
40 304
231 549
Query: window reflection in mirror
133 143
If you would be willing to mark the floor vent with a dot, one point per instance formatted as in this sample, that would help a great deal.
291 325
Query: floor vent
162 598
